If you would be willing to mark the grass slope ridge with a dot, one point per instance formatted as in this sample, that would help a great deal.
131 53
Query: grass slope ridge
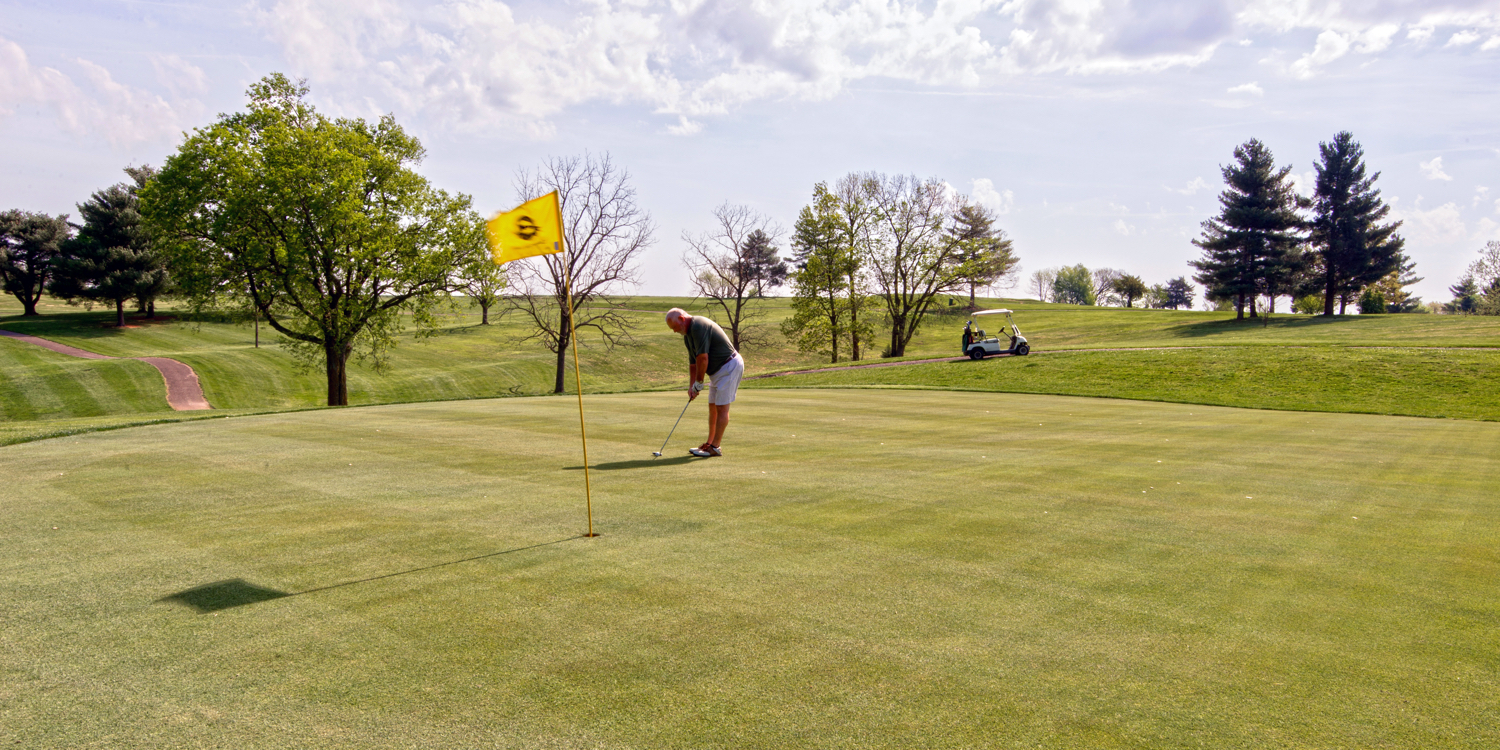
1409 382
866 569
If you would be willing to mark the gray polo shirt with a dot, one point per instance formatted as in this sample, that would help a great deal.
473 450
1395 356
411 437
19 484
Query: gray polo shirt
706 337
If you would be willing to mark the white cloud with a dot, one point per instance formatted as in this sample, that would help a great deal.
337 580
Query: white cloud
178 75
1463 38
1123 228
1419 34
1252 88
1433 170
1331 46
1376 38
985 194
1437 225
121 114
1491 43
1481 193
1192 187
522 63
1306 183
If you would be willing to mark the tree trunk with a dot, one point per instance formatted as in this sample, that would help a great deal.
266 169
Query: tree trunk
29 304
853 329
972 306
564 339
151 309
336 360
1328 294
1239 306
898 347
484 313
119 313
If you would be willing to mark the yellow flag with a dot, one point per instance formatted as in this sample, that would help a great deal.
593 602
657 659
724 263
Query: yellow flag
532 228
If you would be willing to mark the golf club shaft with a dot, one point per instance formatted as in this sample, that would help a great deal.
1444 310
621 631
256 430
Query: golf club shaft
674 427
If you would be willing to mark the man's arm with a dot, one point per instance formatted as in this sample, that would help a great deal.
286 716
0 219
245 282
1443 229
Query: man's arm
696 372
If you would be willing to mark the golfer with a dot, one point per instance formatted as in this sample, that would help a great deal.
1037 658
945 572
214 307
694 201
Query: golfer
711 355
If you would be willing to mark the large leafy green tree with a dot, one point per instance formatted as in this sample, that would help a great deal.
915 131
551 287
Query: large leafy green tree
1251 247
1074 285
1179 294
320 225
1129 287
112 258
1355 249
824 306
28 244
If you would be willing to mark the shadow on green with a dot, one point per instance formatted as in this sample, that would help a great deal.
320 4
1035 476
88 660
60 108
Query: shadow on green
237 592
641 464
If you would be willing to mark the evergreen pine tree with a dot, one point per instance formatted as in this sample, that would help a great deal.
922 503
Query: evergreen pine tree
28 244
985 255
1354 248
1252 246
111 259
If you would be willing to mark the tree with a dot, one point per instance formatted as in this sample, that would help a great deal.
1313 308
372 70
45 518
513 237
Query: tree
912 260
1041 283
318 225
1104 286
1179 294
112 259
1130 288
735 263
604 232
1371 302
478 277
826 297
1074 285
1251 246
1465 296
1393 286
985 256
28 244
1354 248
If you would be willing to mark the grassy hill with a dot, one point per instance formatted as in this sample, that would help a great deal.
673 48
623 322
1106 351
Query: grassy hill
1422 365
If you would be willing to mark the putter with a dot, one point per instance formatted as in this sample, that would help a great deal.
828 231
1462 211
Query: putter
657 454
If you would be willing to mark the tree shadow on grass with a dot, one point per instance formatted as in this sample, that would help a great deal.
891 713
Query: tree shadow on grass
237 592
1290 323
644 463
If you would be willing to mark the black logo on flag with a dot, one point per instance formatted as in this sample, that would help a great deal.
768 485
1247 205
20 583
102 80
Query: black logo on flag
526 228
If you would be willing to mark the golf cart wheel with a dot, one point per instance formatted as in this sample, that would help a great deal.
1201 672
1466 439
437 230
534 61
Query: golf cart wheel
1023 349
976 353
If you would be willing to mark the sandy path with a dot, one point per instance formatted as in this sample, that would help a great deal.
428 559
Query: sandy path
183 391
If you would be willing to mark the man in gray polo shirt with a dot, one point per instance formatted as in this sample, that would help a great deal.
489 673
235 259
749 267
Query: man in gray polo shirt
711 355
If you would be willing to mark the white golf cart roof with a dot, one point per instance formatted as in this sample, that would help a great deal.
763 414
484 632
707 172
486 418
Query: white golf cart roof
992 312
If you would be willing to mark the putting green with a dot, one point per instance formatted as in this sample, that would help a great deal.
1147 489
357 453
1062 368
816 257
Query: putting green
863 569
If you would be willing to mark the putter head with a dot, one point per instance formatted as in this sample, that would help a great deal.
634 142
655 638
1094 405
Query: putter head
654 454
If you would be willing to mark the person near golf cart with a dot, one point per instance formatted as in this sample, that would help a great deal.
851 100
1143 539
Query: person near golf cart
710 355
979 346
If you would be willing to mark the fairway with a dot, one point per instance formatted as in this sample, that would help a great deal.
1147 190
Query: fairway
864 568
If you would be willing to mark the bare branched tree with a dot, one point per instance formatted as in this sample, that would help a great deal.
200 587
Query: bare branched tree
734 263
604 231
912 261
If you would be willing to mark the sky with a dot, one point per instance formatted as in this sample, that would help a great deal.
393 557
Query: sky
1095 129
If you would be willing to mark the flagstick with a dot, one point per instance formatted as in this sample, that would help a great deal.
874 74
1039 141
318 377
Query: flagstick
578 379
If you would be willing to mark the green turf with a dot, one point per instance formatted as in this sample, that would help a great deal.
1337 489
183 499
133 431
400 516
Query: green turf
864 569
1458 383
38 384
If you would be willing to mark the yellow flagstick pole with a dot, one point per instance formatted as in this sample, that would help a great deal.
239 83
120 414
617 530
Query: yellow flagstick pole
588 491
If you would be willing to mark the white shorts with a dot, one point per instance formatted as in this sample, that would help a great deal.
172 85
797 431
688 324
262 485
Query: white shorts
724 384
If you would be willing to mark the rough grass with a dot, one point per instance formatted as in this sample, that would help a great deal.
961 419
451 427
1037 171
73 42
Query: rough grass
865 569
1414 382
38 384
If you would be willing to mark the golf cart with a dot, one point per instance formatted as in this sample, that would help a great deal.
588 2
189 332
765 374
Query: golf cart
977 346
